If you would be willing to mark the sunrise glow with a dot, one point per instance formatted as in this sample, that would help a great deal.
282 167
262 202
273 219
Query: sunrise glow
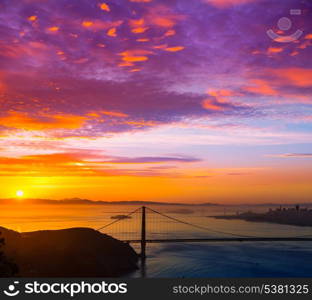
20 193
159 101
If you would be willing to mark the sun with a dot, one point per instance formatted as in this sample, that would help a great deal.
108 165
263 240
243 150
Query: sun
19 193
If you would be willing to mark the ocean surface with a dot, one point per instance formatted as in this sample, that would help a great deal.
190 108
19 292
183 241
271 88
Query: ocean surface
221 259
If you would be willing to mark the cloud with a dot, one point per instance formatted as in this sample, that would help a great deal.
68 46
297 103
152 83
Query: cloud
86 163
114 114
32 18
162 16
80 70
274 50
139 29
147 160
135 55
293 85
24 121
112 32
220 101
293 155
96 25
104 6
140 103
228 3
141 123
299 77
222 95
53 29
306 118
261 87
175 49
212 105
238 174
103 85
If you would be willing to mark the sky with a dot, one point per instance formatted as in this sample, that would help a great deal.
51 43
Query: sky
156 100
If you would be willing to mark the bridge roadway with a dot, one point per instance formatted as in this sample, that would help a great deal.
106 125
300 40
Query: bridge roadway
238 239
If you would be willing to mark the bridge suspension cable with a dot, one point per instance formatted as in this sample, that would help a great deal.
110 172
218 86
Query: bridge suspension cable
192 225
118 220
199 226
216 231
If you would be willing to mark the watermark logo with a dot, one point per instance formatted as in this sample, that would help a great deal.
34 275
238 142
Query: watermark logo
71 289
285 24
12 290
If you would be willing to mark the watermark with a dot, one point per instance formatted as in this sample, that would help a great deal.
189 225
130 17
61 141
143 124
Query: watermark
72 289
260 289
12 289
285 24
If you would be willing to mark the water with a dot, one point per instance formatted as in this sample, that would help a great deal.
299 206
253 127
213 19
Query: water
202 260
235 259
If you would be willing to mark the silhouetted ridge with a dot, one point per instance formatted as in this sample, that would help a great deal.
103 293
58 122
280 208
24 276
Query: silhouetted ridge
74 252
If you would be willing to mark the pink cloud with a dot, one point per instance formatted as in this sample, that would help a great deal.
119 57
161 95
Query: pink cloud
162 16
297 76
262 87
222 95
212 105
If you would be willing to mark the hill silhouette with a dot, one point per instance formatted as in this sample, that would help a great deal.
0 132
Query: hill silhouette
74 252
79 201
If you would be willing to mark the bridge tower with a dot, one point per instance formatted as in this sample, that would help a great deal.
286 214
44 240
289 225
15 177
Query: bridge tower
143 233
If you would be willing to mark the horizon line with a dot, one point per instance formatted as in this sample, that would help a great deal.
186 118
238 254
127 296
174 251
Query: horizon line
77 201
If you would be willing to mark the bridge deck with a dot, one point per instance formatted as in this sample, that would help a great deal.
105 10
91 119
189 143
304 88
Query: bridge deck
200 240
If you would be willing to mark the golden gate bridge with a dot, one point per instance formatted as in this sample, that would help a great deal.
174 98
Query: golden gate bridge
146 227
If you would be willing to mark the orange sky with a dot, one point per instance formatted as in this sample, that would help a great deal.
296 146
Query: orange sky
155 100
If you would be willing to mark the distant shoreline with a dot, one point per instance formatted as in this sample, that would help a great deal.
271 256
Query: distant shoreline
290 216
92 202
78 201
259 220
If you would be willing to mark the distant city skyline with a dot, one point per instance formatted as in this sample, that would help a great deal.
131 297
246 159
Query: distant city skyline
155 100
